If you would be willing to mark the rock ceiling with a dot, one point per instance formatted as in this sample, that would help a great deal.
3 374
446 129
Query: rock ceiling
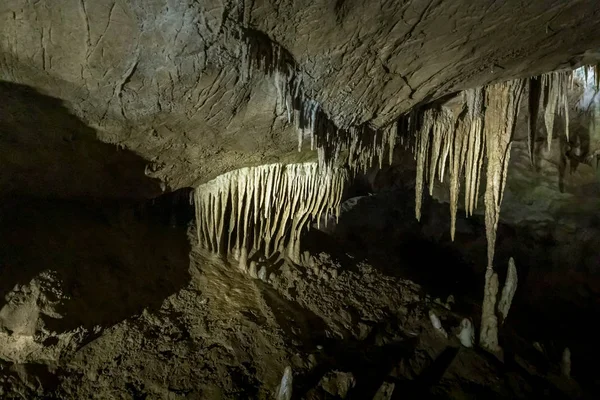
99 95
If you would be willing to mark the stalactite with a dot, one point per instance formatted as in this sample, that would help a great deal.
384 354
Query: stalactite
502 106
556 85
535 93
483 133
457 161
440 130
264 208
422 152
361 145
475 147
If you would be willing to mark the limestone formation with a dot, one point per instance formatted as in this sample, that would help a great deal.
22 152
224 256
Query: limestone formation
534 99
252 271
284 391
478 139
467 333
265 208
361 145
385 391
508 291
488 337
555 86
502 105
437 324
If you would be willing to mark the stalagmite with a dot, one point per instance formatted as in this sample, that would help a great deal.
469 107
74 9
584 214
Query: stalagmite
488 337
467 333
284 392
565 364
252 270
243 260
508 291
265 208
262 274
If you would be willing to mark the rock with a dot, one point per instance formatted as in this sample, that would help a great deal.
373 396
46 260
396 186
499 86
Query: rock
262 274
252 271
385 391
539 347
338 383
243 260
437 324
363 330
311 362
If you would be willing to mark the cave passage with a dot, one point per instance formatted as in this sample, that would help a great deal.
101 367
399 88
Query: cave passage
267 200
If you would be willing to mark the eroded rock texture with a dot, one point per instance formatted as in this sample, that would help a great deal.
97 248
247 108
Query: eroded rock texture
162 78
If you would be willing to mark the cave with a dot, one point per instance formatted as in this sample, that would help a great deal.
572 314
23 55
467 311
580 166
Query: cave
299 199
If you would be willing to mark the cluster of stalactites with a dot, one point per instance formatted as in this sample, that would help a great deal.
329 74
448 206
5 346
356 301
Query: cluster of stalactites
431 150
592 70
549 93
482 132
444 142
358 146
460 144
265 208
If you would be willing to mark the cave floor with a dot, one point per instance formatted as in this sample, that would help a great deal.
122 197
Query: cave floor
105 302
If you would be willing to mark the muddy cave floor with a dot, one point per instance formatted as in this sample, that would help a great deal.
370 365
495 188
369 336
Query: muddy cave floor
116 302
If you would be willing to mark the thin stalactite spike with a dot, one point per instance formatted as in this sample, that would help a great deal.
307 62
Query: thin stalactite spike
535 93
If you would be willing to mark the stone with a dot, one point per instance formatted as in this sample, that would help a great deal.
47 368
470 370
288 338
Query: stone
262 274
338 383
252 270
385 392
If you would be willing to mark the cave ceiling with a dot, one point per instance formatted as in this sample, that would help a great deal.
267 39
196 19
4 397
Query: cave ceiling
99 96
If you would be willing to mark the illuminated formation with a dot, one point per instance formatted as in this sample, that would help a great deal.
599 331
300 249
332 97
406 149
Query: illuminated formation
265 208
